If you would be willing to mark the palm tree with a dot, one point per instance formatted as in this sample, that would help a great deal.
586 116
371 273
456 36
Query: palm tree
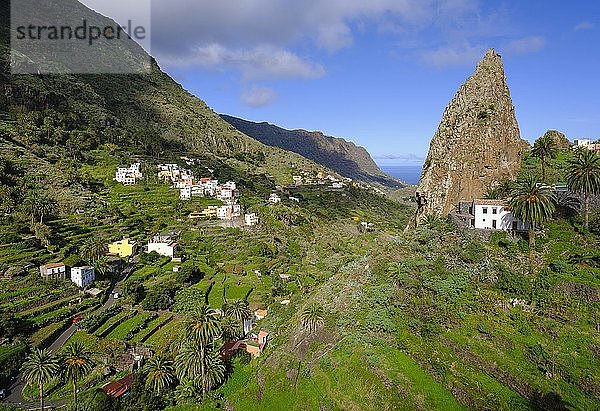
200 362
204 325
160 374
39 368
532 204
500 191
188 392
102 266
583 176
312 317
231 328
215 368
544 148
238 310
202 329
93 249
77 361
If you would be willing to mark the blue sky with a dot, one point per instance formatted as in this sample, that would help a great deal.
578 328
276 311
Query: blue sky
380 73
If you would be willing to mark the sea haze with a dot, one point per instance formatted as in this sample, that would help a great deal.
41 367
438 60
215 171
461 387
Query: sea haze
407 173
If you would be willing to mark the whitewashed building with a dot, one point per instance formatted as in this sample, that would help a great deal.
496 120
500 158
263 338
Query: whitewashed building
274 199
54 271
494 215
129 175
163 245
83 276
229 212
251 219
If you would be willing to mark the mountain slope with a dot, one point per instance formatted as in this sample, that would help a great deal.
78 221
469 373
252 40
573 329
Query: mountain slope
149 112
336 153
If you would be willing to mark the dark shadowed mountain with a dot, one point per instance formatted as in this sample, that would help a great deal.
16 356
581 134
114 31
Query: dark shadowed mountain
340 155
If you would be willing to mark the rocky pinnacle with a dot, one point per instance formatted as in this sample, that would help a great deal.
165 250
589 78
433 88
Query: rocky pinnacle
477 144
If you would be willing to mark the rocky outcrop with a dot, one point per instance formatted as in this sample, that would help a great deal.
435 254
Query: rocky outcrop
562 142
477 144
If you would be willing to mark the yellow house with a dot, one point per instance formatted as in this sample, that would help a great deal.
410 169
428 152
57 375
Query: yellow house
123 248
211 211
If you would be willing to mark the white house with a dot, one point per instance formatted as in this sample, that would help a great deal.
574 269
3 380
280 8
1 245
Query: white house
230 185
274 199
251 219
55 271
163 245
229 212
583 142
83 276
494 215
128 175
187 193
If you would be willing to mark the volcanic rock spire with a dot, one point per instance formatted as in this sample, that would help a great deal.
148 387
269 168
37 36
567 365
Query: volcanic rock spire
477 144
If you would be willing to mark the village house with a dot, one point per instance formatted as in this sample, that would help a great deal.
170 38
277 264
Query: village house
211 212
229 212
83 276
194 190
251 219
163 245
54 271
274 199
257 343
484 214
587 144
128 175
123 248
260 314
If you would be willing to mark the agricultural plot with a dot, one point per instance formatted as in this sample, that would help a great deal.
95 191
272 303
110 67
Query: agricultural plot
152 327
121 332
166 335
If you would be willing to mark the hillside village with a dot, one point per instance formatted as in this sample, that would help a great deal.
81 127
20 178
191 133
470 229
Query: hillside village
153 257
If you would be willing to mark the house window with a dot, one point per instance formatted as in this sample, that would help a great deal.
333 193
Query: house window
473 223
494 223
494 210
485 210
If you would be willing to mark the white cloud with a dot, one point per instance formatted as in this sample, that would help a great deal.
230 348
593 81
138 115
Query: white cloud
584 25
261 62
258 97
525 45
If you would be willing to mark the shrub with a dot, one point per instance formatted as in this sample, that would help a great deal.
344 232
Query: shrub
559 266
513 282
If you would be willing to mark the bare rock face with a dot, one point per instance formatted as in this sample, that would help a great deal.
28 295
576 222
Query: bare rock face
477 144
562 142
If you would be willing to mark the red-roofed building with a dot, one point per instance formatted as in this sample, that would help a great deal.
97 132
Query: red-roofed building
117 389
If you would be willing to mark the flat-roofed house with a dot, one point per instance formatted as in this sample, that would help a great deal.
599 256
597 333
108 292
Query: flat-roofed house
54 271
123 248
83 276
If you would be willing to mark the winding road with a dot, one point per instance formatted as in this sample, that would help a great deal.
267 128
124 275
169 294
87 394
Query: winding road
15 396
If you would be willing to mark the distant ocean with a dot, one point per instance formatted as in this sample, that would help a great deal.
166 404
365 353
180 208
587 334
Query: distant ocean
409 174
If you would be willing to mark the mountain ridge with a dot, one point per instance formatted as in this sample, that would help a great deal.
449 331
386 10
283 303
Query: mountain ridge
339 154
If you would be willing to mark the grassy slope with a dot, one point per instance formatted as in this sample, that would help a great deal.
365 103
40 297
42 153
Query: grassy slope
446 319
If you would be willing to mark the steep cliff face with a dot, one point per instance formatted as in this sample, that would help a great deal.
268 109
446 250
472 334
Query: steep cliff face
338 154
477 143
